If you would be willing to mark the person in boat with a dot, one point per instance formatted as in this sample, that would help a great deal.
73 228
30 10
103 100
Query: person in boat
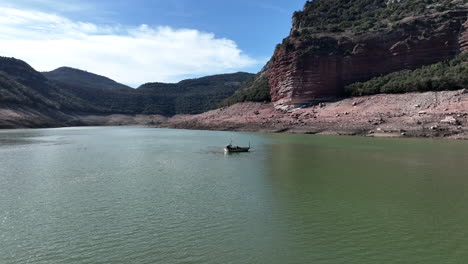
230 147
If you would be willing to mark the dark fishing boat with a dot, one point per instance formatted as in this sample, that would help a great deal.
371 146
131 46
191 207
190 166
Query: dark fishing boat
231 149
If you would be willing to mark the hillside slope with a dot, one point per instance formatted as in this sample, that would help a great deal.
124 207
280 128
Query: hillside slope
442 76
195 96
28 99
106 95
186 97
22 85
55 98
83 78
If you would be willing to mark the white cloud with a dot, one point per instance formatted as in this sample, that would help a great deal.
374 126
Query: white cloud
131 55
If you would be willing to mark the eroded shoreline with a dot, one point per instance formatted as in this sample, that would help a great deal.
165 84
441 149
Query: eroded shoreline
432 114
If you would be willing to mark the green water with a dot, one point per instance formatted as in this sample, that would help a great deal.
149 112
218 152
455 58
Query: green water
141 195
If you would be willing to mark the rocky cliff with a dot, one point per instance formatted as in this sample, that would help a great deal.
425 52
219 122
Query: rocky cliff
315 62
464 38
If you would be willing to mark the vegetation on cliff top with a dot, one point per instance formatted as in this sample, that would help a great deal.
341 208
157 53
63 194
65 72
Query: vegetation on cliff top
449 75
332 16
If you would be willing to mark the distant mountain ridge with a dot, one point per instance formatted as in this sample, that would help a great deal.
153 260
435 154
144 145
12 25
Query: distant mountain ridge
199 95
190 96
22 85
76 76
67 91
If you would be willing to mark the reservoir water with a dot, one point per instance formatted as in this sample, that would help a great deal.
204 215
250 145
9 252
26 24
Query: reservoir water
143 195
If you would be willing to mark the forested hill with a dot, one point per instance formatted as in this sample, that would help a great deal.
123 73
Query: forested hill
186 97
216 83
21 85
83 78
199 95
71 90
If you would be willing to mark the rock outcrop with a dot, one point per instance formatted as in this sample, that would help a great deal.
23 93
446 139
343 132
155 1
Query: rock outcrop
464 38
317 67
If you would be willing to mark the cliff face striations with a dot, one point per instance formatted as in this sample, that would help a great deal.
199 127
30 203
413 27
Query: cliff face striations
317 60
464 38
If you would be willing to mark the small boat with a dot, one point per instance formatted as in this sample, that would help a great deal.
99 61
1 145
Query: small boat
230 148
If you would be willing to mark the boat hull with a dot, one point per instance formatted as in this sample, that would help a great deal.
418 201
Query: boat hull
236 150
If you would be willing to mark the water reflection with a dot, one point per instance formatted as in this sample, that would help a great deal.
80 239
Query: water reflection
376 201
123 195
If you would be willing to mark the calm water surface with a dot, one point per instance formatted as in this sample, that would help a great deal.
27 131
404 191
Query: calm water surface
141 195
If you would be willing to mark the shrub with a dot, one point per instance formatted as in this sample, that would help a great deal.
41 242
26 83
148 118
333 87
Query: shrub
256 90
442 76
363 15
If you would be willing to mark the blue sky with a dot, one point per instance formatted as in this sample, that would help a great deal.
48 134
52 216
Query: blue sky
109 37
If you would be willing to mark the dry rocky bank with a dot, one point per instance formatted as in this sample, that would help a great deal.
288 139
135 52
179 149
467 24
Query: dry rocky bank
431 114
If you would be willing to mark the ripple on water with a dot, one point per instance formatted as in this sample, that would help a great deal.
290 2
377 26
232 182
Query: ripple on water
136 195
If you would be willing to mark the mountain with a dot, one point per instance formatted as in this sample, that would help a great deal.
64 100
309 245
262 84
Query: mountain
28 99
33 99
198 95
336 48
22 85
83 78
186 97
107 95
335 43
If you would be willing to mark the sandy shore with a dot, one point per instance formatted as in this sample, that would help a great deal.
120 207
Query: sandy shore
431 114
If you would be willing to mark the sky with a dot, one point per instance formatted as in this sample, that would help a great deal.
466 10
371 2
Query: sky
140 41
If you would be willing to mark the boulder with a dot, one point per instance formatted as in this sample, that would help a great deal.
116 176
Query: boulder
450 120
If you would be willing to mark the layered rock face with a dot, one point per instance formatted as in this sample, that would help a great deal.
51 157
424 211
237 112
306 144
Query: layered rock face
317 69
464 38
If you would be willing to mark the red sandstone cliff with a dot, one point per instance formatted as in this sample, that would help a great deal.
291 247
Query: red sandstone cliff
317 69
